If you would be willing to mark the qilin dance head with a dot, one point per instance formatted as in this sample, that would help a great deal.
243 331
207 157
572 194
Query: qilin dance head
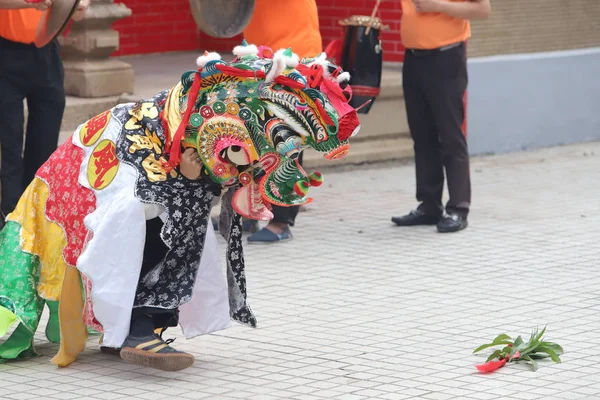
250 119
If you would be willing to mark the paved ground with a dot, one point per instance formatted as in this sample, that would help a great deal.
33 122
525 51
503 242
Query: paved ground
355 308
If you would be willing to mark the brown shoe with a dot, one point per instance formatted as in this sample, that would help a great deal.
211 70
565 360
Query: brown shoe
153 352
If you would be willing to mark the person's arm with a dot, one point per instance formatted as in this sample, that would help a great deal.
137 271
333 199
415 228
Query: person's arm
471 9
16 4
13 4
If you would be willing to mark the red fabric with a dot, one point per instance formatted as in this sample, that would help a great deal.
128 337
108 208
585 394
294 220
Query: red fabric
491 366
348 123
61 173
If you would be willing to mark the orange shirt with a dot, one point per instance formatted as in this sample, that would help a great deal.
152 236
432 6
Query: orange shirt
280 24
19 25
431 30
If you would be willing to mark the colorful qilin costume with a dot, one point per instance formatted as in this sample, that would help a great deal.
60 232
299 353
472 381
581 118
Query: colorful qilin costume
113 238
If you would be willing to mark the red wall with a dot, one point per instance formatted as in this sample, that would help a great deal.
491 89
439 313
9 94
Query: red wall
156 26
167 25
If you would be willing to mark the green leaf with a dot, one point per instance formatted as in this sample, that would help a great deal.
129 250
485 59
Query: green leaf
538 356
495 354
540 335
557 348
518 344
544 349
501 338
485 346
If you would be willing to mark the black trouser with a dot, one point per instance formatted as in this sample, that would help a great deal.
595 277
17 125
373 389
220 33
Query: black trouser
434 85
37 75
145 319
286 215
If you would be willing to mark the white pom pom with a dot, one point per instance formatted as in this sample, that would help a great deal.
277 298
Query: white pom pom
203 59
343 77
241 51
277 68
291 61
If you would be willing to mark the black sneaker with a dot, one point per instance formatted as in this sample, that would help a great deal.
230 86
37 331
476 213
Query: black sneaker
452 223
113 351
154 352
416 217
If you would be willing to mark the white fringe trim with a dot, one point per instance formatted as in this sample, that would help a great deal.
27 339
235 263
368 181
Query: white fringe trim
290 62
279 62
248 50
203 59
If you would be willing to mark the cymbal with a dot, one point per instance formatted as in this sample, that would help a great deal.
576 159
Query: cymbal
54 20
222 18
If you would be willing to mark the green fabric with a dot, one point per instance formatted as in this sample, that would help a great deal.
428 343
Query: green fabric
53 327
18 345
18 292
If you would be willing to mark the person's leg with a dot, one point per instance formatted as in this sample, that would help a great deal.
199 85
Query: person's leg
423 130
143 346
445 94
46 105
12 92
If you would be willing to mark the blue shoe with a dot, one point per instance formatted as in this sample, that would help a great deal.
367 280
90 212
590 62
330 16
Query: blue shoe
267 236
249 225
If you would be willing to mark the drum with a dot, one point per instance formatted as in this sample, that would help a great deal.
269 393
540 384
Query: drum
362 56
222 18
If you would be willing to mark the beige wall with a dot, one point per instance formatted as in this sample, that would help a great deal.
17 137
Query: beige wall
529 26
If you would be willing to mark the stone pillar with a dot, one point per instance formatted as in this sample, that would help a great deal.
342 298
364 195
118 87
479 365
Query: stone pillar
89 71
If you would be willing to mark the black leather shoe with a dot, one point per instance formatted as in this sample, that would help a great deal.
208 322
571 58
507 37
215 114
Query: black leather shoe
452 223
416 217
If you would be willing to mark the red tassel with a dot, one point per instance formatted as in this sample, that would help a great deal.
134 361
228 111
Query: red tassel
289 82
175 153
226 69
491 366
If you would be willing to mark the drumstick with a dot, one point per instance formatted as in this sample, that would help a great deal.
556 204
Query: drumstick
372 16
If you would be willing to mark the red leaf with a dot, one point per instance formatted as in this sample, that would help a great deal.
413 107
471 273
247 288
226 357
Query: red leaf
516 355
491 366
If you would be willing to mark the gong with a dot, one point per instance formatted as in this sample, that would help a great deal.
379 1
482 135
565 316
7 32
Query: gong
54 20
222 18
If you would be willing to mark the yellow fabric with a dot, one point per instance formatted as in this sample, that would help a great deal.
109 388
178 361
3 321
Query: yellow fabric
19 25
7 319
171 111
431 30
286 23
42 238
73 332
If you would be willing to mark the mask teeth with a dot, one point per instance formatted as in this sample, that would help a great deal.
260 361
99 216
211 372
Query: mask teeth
338 153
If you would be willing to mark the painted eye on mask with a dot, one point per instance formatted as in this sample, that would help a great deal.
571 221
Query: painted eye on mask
235 155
